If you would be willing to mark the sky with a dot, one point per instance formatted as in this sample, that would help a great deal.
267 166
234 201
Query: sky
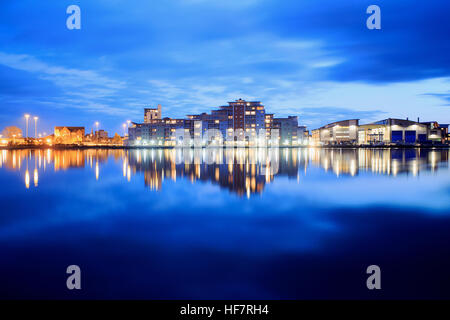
312 58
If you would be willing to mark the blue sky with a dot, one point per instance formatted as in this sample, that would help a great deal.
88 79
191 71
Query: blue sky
311 58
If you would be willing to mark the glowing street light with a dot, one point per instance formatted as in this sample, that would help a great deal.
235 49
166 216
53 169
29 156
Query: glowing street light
96 126
35 126
27 116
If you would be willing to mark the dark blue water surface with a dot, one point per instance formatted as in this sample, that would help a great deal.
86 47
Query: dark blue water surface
174 224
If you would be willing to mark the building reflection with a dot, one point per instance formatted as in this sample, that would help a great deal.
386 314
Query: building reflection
244 171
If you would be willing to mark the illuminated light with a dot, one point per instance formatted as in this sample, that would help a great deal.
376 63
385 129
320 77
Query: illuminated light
97 171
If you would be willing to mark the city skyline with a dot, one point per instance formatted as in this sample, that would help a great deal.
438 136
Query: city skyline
241 120
300 58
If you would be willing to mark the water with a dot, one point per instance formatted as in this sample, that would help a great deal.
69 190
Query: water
174 224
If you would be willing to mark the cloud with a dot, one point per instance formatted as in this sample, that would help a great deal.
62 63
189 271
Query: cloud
195 55
325 115
412 44
61 76
442 96
81 89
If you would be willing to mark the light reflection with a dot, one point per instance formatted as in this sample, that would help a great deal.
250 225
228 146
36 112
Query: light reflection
242 171
35 177
27 179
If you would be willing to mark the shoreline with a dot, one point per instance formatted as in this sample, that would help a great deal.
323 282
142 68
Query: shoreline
82 147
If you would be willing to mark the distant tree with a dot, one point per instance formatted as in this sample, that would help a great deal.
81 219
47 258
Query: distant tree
10 132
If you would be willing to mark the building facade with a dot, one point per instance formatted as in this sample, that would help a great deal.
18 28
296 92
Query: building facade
390 130
287 130
436 132
152 114
69 135
341 132
239 121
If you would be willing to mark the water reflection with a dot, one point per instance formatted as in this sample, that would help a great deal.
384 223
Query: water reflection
242 171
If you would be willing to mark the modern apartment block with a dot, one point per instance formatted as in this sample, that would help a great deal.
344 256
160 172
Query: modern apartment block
156 131
287 129
302 135
152 114
240 120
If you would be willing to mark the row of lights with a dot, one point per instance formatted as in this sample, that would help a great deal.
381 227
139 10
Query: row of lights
27 118
124 125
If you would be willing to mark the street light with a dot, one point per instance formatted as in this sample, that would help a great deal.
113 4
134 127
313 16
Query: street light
96 126
27 116
35 126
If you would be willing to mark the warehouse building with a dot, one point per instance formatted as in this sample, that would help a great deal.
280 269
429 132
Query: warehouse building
341 132
390 130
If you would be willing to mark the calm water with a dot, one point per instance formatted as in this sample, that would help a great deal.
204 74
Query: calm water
164 224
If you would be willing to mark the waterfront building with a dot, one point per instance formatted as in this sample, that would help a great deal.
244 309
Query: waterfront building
158 132
393 131
287 130
436 132
340 132
101 134
269 124
315 136
302 135
152 114
239 121
68 135
242 118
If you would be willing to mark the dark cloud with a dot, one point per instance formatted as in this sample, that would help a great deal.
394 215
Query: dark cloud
413 43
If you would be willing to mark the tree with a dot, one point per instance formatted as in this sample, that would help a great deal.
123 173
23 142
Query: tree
12 132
